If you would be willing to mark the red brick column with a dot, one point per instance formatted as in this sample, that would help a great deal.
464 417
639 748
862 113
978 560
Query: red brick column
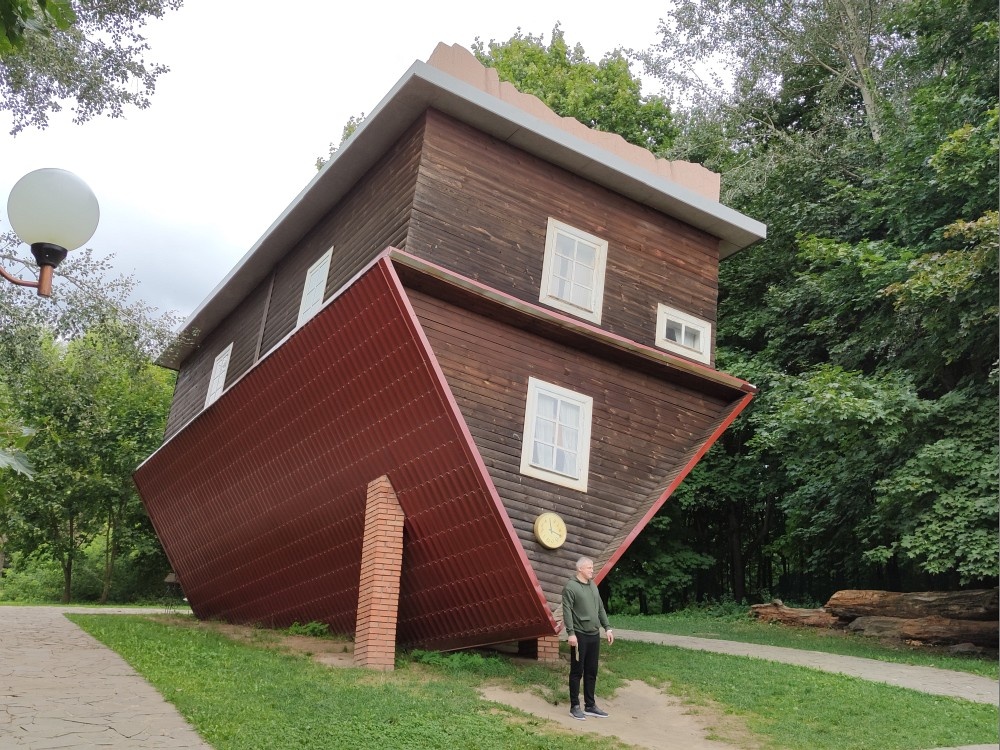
548 648
378 592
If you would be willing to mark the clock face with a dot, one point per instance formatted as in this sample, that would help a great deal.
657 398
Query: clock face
550 530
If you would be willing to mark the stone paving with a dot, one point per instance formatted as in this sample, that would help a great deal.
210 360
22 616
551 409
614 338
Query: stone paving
60 688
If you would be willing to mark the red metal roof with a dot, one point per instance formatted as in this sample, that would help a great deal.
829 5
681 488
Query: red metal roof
260 500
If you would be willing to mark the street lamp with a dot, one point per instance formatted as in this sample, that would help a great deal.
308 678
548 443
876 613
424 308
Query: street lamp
53 211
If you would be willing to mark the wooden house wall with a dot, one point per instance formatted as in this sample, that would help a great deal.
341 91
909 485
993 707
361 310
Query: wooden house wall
471 203
481 208
242 328
373 216
643 429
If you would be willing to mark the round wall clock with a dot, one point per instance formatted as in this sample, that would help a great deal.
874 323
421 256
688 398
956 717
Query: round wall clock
550 530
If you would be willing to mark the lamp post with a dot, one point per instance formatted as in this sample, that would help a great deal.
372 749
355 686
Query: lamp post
54 211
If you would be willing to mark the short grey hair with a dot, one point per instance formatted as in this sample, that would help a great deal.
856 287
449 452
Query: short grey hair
583 561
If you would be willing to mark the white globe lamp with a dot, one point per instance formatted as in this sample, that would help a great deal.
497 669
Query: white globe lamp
54 211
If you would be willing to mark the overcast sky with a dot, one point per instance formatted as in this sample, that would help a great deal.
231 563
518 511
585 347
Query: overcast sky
255 93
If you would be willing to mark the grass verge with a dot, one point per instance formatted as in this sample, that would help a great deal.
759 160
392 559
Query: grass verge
795 708
729 626
245 696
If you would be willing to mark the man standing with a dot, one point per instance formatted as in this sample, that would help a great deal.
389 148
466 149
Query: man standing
583 617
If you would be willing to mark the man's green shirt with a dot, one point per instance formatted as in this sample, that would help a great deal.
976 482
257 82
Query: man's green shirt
583 610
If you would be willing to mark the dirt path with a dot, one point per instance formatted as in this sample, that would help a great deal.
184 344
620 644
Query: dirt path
642 716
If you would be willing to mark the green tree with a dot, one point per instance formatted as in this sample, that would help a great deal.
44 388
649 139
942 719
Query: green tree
14 437
865 136
99 407
90 53
604 96
80 365
20 17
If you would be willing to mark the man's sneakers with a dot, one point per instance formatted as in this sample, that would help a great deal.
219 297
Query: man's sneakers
576 713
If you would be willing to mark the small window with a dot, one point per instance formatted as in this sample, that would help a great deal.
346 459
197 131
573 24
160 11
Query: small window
573 271
314 287
218 379
683 334
556 444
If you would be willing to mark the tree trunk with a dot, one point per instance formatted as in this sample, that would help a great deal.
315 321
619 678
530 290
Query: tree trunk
736 568
109 564
979 604
778 612
934 630
67 566
67 569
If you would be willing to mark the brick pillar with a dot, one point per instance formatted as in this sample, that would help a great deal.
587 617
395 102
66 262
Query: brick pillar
378 592
548 649
545 649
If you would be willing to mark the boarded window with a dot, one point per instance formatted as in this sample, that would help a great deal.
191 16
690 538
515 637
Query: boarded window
314 287
218 380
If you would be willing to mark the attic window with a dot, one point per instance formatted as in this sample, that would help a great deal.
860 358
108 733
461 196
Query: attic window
573 271
556 445
218 380
314 287
683 334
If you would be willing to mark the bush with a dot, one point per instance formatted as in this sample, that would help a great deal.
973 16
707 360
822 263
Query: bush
31 578
36 577
314 629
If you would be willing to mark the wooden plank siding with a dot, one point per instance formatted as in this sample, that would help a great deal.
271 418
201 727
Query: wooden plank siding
481 208
471 203
242 328
644 429
373 216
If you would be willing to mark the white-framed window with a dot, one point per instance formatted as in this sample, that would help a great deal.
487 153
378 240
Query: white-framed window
683 334
573 271
556 445
314 287
218 380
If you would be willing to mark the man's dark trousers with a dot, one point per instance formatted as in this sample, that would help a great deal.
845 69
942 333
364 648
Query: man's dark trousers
588 649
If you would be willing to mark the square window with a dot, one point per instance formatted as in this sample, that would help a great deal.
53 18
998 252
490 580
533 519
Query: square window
683 334
573 271
314 287
556 445
218 380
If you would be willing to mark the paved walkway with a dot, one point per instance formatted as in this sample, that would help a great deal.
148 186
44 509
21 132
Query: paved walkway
925 679
60 688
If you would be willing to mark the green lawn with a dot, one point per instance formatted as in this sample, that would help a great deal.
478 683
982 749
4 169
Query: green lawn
241 695
732 626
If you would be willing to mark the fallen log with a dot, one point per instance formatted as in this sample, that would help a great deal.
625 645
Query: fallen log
930 630
980 604
778 612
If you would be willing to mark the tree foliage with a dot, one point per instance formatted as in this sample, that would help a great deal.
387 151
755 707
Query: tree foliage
865 136
604 96
869 316
20 17
80 366
88 52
